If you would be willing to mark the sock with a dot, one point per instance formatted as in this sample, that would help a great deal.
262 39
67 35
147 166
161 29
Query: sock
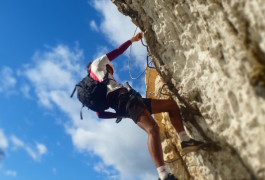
162 172
183 136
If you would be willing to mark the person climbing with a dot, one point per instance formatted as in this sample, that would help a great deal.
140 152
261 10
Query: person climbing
130 104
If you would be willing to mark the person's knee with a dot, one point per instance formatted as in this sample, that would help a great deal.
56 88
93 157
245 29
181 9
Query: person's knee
148 124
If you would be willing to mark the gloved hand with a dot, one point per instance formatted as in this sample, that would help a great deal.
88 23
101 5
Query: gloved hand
118 119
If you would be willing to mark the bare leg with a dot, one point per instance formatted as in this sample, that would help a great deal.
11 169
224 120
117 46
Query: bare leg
170 106
147 123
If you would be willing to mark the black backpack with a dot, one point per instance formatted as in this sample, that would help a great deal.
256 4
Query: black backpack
92 94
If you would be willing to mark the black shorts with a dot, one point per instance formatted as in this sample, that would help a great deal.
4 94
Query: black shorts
128 105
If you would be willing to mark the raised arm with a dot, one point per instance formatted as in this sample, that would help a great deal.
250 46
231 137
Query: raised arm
118 51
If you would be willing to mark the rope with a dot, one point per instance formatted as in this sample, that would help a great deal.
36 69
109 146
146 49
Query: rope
148 63
129 61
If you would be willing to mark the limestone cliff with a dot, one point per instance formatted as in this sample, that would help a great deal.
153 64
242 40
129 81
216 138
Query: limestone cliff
211 56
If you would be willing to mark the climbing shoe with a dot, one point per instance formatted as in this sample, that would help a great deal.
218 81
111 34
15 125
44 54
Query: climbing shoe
169 177
190 146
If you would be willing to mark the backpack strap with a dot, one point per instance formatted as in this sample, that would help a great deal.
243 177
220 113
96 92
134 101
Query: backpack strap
81 114
73 92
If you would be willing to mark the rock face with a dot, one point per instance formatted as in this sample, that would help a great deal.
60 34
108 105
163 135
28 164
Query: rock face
211 55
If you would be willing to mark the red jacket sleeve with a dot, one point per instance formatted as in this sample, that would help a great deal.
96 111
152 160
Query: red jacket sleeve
118 51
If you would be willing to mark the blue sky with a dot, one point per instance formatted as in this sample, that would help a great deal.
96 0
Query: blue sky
44 48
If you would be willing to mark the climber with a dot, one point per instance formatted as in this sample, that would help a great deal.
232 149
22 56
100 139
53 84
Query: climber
130 104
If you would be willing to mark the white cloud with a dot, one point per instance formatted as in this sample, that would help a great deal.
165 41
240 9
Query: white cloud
102 168
16 142
100 51
53 71
93 25
3 140
119 28
7 80
41 149
35 153
54 170
11 173
25 89
116 26
3 144
122 146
